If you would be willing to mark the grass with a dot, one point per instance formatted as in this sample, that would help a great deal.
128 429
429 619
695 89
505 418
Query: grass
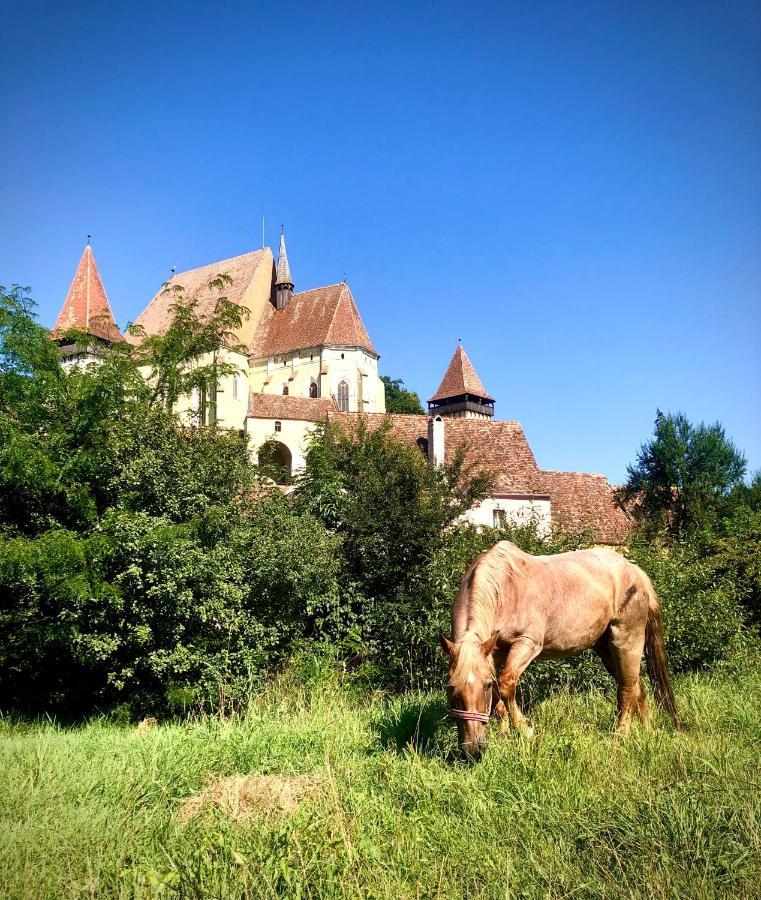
92 811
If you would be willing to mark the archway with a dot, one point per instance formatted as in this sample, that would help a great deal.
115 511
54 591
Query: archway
276 461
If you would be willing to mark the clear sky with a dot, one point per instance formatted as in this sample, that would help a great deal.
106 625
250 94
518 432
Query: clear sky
574 189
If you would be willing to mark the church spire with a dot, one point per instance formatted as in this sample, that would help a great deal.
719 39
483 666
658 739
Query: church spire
86 307
283 281
461 393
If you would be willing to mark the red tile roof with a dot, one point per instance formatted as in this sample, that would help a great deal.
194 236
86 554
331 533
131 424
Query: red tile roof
580 500
282 406
499 447
86 307
326 316
460 378
577 500
157 316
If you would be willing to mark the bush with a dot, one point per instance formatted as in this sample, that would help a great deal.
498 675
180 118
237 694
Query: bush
702 614
157 613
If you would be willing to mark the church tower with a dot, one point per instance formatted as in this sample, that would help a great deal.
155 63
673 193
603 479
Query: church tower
461 394
283 280
86 309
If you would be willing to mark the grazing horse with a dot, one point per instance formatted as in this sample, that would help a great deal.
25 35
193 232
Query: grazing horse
513 608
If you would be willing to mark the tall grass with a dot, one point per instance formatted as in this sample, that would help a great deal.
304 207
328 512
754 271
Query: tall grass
92 811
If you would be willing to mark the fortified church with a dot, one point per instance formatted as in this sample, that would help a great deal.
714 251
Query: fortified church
310 358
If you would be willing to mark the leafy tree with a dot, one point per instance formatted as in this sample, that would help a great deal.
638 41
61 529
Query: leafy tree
395 515
399 399
175 357
684 475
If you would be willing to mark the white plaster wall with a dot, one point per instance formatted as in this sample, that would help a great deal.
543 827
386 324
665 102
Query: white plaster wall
360 371
231 411
519 511
294 434
294 370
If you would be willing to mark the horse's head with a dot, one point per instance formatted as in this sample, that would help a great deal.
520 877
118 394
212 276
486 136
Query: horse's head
470 683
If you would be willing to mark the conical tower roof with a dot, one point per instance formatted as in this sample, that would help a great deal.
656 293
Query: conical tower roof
86 307
283 269
459 379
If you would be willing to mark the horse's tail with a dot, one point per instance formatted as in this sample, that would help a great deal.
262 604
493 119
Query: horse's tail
655 657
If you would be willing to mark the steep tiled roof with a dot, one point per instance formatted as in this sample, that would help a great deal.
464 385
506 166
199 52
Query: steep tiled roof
326 316
498 447
580 500
577 500
281 406
86 307
157 316
460 378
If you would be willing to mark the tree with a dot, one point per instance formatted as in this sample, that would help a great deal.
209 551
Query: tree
175 358
684 475
396 516
399 399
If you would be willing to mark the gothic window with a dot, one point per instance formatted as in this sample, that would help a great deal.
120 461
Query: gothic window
278 426
236 387
423 445
285 390
499 518
343 396
313 389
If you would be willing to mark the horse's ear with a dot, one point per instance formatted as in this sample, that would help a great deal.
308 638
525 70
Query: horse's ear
489 644
448 647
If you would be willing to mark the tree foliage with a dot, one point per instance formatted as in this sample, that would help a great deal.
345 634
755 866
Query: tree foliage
683 475
399 399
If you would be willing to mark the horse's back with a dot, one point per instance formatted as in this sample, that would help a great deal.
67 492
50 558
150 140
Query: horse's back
566 601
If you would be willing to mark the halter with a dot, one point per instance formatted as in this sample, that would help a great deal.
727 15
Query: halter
483 718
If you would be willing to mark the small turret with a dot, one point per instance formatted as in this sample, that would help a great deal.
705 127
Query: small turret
283 280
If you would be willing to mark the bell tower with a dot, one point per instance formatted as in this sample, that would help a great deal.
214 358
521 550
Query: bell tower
461 394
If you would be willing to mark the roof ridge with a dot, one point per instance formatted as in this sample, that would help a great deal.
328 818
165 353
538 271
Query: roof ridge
322 287
567 472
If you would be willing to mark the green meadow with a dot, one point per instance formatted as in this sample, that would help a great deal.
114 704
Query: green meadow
387 809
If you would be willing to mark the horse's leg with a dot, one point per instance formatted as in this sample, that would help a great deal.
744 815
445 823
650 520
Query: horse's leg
603 649
498 709
522 652
631 693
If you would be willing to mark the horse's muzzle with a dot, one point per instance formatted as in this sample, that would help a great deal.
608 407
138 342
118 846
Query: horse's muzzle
473 750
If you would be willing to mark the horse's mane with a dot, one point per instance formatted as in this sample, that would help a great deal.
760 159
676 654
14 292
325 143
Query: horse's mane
486 584
489 577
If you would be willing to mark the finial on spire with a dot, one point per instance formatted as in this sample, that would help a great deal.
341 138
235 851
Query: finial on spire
89 238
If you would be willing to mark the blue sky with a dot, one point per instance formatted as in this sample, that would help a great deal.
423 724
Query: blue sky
574 189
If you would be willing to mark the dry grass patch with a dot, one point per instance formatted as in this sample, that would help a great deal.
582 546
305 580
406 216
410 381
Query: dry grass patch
243 797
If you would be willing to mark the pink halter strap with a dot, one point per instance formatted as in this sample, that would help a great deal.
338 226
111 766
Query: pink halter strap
469 716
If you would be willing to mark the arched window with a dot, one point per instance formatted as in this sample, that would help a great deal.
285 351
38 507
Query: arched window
313 389
285 390
423 445
343 396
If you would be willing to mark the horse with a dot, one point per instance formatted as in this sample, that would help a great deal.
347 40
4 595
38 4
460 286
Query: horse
513 608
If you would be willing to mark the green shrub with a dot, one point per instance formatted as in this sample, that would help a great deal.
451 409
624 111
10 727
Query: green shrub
702 613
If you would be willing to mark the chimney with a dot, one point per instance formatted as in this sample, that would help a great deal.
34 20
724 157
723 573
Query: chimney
436 440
